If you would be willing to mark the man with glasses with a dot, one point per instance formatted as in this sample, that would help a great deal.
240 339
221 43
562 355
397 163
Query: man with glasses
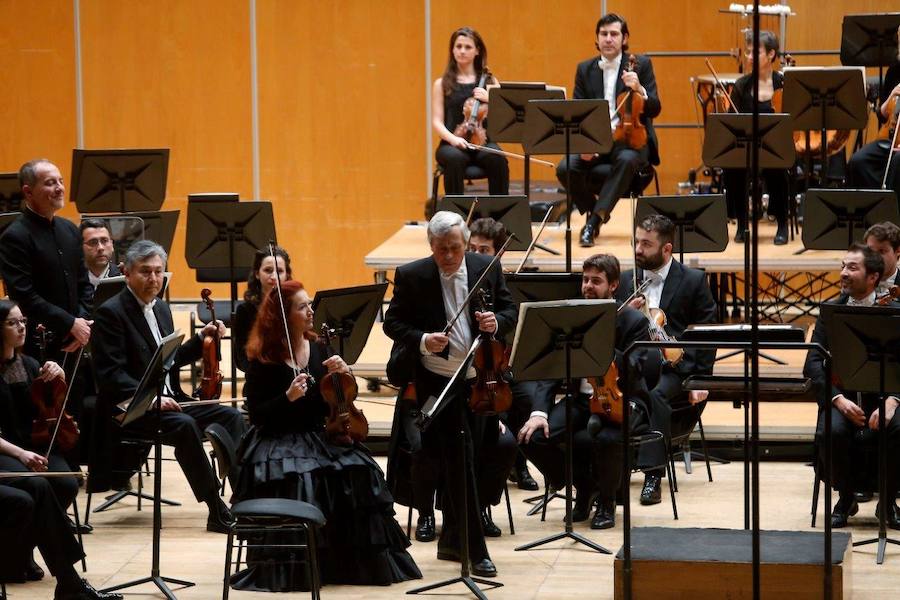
99 253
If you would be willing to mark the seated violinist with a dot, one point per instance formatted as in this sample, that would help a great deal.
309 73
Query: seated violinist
127 330
288 455
597 453
605 78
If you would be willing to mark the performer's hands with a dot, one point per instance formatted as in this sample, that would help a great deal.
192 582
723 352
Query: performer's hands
630 79
436 342
487 321
51 371
298 387
81 334
458 142
697 396
531 425
850 410
170 405
34 462
336 364
890 407
480 94
501 426
213 328
589 157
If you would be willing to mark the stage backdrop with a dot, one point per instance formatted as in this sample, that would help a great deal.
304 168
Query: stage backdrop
344 149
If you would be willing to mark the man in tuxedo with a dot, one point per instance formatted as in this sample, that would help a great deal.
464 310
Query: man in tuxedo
684 295
427 294
597 452
99 252
604 78
128 329
42 263
884 238
852 414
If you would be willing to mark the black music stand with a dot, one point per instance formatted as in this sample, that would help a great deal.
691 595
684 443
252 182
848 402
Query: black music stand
702 217
127 228
6 220
507 122
11 197
149 394
867 359
105 181
870 41
349 314
512 211
566 127
834 219
566 339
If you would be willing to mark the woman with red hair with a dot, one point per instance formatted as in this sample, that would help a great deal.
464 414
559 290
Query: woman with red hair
286 455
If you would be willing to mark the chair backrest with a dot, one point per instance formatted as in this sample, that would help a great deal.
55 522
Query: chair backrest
223 448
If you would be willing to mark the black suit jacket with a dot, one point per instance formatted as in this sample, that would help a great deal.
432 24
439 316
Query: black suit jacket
687 300
589 85
42 263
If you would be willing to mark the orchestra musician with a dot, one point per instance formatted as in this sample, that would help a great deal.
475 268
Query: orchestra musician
776 180
850 414
99 252
487 236
260 281
287 455
32 515
684 296
42 263
866 168
128 328
427 294
605 77
597 458
460 81
884 238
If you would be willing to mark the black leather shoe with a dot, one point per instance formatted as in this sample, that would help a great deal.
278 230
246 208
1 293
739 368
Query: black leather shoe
843 510
33 571
523 479
425 529
865 496
582 509
83 529
220 519
739 235
893 516
588 233
781 235
86 592
484 568
651 493
605 517
490 528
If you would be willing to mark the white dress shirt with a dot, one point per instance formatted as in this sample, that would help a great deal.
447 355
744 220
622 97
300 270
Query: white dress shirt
95 279
610 70
867 301
454 289
653 293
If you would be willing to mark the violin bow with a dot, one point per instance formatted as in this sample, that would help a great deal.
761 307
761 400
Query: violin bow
720 85
892 149
281 299
471 293
471 211
65 402
472 146
534 240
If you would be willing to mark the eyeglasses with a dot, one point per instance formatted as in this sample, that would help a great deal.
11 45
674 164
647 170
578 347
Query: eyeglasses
103 241
16 322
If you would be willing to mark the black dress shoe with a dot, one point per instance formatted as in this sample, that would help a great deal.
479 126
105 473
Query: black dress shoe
490 528
739 235
605 517
425 529
220 519
83 529
523 479
582 509
484 568
588 233
781 235
893 517
33 571
86 592
651 493
843 510
865 496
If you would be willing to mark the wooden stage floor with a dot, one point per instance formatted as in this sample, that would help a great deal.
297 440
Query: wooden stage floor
119 549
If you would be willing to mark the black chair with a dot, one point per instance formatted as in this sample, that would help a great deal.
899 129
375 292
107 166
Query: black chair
222 455
864 454
259 518
685 419
473 172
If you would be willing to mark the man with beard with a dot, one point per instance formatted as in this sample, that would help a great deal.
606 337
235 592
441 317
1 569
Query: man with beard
851 414
684 295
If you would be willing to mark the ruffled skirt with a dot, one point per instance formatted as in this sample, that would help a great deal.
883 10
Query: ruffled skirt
360 544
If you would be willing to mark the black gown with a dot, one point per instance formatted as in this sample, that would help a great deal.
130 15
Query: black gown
286 455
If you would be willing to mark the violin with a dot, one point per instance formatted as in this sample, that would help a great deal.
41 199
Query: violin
606 400
345 423
630 107
474 112
657 319
892 294
491 393
51 422
211 378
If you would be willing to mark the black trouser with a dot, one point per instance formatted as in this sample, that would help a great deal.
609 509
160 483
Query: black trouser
608 454
184 431
454 162
843 435
442 449
624 163
64 488
736 194
515 417
494 457
31 515
866 168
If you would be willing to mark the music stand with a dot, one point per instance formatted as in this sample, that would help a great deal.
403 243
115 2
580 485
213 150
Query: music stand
867 359
158 226
349 313
105 181
512 211
541 287
567 127
11 197
6 220
564 339
507 122
835 218
870 41
149 393
702 217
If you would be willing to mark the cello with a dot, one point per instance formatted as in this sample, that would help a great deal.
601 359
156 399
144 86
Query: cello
491 393
211 378
345 423
51 422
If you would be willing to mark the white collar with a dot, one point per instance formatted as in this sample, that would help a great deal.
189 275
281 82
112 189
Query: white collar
460 273
663 272
867 301
610 65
